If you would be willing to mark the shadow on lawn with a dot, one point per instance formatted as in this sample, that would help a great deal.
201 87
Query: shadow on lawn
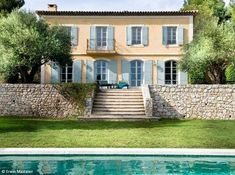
32 125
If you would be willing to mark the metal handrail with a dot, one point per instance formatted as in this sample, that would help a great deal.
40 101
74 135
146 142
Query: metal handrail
92 45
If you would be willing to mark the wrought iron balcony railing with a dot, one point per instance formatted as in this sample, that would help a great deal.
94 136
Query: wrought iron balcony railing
97 46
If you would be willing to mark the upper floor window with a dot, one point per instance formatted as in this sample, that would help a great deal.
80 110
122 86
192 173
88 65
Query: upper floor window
171 35
66 74
136 35
101 36
170 72
73 33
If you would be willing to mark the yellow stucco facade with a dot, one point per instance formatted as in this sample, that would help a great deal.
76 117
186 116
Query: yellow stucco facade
154 50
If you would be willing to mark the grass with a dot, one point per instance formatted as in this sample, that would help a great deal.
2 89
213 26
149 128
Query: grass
16 132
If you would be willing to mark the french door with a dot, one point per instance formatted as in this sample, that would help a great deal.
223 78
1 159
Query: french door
101 70
136 75
101 37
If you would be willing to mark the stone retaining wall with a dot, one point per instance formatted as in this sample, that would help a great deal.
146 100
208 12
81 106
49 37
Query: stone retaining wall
189 101
194 101
34 100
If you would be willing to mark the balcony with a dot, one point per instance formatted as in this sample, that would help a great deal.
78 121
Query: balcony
97 47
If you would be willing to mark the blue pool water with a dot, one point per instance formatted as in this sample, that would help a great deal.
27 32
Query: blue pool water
115 165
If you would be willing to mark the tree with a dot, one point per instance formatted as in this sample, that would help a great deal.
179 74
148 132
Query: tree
207 10
212 50
27 42
232 9
6 6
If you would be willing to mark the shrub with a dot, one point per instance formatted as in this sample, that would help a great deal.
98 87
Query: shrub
197 77
77 92
230 74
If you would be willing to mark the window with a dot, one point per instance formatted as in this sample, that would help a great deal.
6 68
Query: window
72 32
171 35
136 35
66 74
101 70
136 73
101 37
170 72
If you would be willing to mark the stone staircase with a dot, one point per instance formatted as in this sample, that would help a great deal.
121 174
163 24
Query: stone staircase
119 104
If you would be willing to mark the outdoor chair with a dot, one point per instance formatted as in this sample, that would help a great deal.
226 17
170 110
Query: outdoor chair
104 83
122 85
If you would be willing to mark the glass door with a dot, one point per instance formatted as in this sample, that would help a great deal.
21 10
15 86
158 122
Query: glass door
136 73
101 70
101 38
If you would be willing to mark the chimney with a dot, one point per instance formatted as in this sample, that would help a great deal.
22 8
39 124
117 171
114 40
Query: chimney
52 7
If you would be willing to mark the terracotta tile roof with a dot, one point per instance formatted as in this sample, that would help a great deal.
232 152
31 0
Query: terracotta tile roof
116 13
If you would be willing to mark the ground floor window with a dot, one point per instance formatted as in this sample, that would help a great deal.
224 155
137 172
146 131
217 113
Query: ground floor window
136 73
171 72
101 70
66 74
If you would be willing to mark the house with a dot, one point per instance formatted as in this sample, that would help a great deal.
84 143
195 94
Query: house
133 46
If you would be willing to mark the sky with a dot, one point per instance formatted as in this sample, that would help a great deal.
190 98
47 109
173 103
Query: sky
106 5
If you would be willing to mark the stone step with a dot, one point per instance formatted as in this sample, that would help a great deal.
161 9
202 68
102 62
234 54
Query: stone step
117 113
119 109
118 103
118 118
111 100
121 91
119 97
119 94
125 106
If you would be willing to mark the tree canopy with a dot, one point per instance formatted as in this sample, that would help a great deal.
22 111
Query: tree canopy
6 6
27 42
232 9
207 10
212 51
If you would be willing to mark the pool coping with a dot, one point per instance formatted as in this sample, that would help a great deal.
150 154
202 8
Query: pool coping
117 151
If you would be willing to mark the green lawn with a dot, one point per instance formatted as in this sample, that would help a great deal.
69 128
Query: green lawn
72 133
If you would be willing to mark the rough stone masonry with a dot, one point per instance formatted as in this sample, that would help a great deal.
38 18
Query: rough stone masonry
178 101
34 100
194 101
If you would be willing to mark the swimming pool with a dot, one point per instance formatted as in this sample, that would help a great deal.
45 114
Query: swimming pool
116 164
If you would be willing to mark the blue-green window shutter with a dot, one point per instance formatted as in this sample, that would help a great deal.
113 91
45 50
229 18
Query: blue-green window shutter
180 35
112 71
128 35
77 71
145 36
90 71
74 36
183 78
92 38
164 35
148 72
160 72
110 38
55 73
125 70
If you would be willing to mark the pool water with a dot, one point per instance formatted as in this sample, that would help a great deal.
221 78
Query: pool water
115 165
